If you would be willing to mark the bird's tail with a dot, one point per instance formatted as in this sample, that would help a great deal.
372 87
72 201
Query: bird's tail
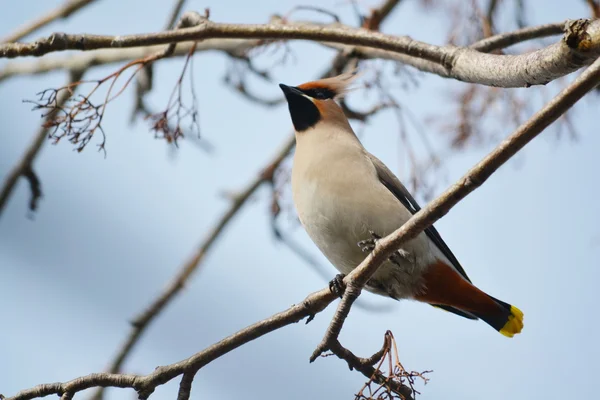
508 321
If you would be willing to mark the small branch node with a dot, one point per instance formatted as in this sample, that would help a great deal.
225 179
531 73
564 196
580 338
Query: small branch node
576 35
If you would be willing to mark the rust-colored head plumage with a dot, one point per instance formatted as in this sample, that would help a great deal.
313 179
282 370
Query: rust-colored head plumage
313 101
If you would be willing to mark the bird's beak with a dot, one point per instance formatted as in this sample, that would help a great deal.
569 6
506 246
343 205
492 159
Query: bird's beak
290 91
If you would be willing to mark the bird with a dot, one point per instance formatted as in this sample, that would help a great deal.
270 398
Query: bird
346 199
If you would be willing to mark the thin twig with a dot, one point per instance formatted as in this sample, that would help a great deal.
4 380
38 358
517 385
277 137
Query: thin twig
143 81
594 7
185 386
504 40
174 14
379 14
63 11
24 167
488 19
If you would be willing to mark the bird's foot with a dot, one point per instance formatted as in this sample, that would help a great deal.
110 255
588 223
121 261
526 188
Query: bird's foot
368 245
398 256
337 285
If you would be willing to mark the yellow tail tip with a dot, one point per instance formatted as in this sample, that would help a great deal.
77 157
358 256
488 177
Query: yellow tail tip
514 324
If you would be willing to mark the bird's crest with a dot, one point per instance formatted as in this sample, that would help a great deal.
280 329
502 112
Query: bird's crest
330 88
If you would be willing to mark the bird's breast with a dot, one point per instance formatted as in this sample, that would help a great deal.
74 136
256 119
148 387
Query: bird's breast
340 203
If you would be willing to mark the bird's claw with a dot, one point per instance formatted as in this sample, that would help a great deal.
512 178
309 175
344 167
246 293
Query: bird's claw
396 258
368 245
337 285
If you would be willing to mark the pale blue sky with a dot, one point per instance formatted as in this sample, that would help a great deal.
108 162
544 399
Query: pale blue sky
110 232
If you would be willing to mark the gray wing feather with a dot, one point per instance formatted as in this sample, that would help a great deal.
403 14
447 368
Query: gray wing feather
393 184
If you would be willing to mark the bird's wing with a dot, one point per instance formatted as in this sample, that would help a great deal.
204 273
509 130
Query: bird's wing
394 185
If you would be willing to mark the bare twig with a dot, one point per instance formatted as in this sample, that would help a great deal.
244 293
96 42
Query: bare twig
580 46
185 386
594 7
488 19
436 209
377 16
24 167
504 40
320 10
63 11
240 87
388 387
176 110
143 81
174 14
81 119
113 56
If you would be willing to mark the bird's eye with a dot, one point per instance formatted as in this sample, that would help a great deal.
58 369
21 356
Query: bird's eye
320 93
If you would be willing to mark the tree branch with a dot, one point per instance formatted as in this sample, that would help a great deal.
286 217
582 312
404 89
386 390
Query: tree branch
378 15
474 65
504 40
580 46
113 56
242 46
64 11
439 207
145 384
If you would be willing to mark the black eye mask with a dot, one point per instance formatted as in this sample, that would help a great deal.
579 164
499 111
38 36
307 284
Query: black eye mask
319 93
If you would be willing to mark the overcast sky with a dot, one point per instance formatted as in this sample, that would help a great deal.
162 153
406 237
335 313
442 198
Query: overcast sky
110 232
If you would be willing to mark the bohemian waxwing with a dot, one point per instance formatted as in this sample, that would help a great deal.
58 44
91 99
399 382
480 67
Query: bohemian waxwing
346 198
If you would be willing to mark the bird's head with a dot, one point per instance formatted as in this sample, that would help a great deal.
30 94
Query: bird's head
313 103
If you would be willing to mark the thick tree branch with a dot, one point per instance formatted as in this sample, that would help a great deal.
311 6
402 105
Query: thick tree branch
240 47
64 11
580 46
474 65
207 29
439 207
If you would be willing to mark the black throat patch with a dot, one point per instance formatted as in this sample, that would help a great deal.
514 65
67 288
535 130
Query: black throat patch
303 111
